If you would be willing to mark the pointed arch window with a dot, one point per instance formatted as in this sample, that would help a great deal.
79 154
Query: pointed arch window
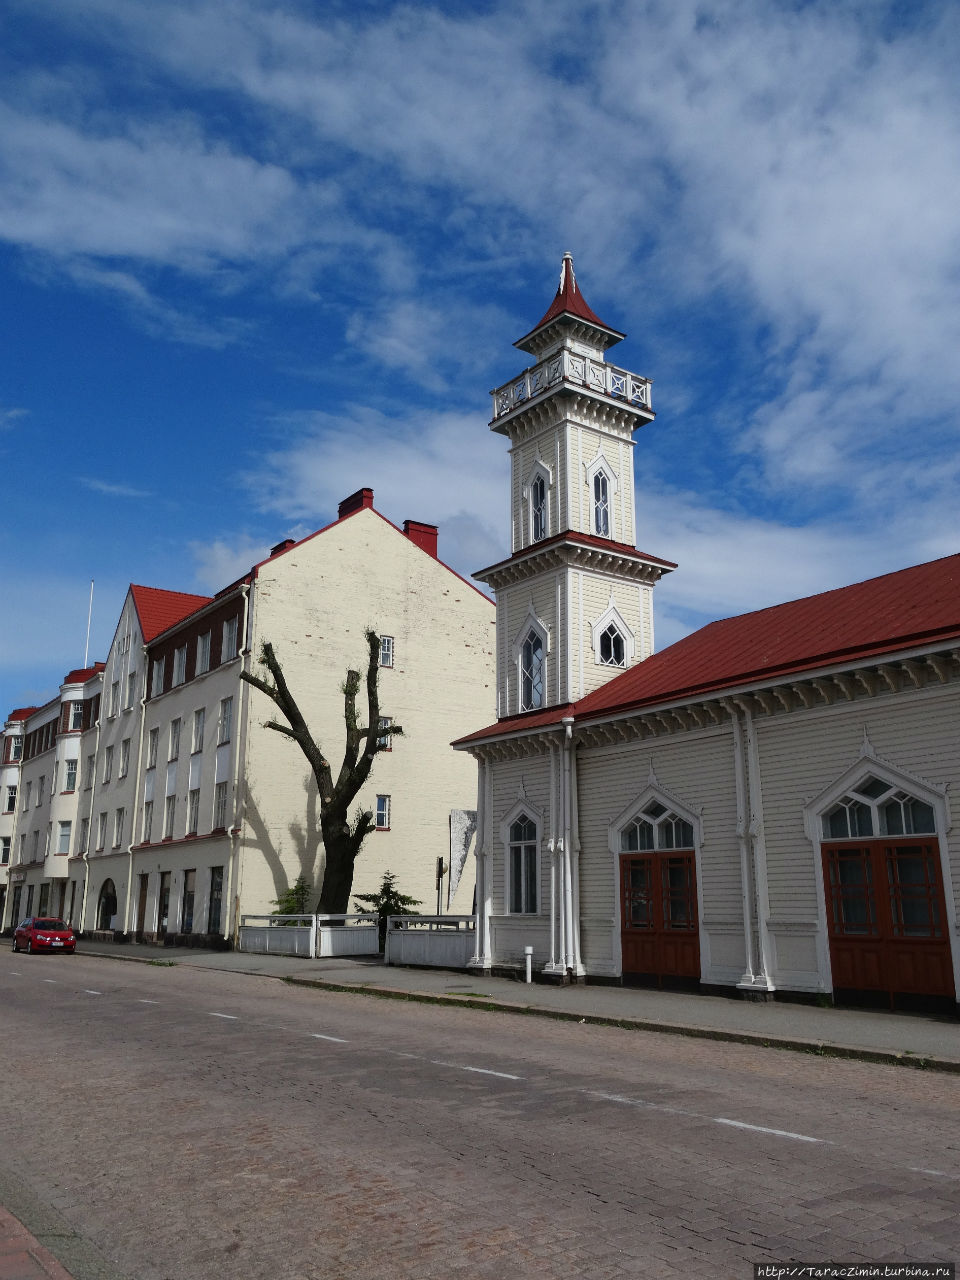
612 651
601 505
531 671
876 807
523 865
538 508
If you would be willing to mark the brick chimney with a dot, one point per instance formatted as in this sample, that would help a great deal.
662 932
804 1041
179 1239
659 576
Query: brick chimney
282 546
424 535
356 502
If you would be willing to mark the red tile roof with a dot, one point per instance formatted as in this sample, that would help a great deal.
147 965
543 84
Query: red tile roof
569 301
21 713
80 675
907 609
158 609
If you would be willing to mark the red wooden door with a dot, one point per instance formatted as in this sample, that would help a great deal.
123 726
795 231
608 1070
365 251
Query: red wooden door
659 931
886 917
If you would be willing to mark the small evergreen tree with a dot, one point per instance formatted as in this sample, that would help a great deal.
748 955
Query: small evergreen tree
293 901
387 901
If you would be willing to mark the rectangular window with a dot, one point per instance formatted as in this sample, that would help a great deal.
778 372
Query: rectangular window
63 837
193 811
169 816
523 878
53 781
147 820
174 753
16 748
156 678
180 664
35 855
41 784
216 897
226 721
203 653
198 718
118 819
5 852
11 799
383 813
386 651
47 838
131 688
101 829
26 795
385 741
229 649
90 771
84 835
108 763
70 781
153 742
23 844
124 758
115 697
76 716
220 806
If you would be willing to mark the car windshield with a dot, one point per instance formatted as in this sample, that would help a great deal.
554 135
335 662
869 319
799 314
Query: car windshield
50 926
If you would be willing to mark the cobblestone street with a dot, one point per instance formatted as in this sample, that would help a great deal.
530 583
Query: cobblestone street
194 1124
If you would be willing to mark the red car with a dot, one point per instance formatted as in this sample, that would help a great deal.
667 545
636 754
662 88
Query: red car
44 933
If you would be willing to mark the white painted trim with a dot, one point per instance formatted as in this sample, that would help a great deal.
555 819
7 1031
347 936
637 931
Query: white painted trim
522 806
613 614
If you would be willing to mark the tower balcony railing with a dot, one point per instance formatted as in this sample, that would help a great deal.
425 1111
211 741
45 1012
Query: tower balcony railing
565 366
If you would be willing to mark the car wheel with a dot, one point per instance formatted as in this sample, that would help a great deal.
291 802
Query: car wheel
15 947
29 946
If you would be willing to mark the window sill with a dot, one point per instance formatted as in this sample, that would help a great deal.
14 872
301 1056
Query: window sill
381 828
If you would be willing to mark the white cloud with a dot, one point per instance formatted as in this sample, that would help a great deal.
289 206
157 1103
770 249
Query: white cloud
443 468
113 490
10 417
225 559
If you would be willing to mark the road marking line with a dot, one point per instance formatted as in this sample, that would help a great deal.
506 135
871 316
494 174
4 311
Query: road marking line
53 980
759 1128
232 1016
482 1071
640 1102
933 1173
16 973
139 1001
92 993
315 1035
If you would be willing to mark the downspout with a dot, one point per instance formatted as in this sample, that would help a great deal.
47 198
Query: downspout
763 979
239 752
569 948
478 959
136 793
740 776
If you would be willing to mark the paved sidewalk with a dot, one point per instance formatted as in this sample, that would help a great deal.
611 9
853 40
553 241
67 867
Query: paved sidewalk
911 1040
22 1256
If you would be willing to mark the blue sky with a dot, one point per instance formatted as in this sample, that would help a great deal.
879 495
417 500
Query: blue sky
255 255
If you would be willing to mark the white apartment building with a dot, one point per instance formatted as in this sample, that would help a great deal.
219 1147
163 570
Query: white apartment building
11 755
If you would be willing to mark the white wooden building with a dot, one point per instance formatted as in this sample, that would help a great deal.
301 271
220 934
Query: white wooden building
764 805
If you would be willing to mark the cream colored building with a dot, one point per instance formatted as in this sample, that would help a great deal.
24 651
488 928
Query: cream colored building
217 813
764 806
11 755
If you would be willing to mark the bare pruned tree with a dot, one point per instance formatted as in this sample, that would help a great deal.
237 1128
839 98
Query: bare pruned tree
342 837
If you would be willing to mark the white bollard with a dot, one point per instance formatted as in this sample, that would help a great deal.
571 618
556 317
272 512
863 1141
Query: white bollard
528 955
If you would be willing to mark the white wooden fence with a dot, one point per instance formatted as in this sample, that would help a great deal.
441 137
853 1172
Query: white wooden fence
309 936
442 942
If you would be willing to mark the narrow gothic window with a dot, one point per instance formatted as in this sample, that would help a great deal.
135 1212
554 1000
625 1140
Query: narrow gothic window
611 647
531 672
523 866
538 508
601 506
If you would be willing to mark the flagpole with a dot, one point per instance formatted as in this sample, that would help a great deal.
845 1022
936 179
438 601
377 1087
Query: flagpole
86 647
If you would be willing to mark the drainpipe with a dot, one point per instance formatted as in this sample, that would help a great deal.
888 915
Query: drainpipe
569 948
136 793
231 888
479 950
740 776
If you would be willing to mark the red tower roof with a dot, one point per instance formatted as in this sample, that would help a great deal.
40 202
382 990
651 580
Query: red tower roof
569 301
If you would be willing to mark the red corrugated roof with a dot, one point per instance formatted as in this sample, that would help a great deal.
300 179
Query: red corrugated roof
903 610
158 609
569 301
80 675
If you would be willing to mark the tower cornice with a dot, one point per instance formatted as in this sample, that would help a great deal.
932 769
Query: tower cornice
592 381
577 551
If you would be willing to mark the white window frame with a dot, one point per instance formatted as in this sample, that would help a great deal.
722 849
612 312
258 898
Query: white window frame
199 716
220 799
124 768
538 472
228 648
70 778
5 845
114 698
600 466
11 799
119 818
385 740
101 829
157 674
169 816
131 689
203 653
83 836
179 666
76 716
532 623
387 656
64 831
147 822
108 762
193 811
522 809
174 743
225 722
153 746
612 616
382 813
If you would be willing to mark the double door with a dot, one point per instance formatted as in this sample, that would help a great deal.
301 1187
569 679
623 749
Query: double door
886 918
659 927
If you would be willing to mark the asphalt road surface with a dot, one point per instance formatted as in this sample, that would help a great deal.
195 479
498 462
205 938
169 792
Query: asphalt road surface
204 1124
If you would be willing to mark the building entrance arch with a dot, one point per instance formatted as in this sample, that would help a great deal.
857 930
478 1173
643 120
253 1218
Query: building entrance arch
106 905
